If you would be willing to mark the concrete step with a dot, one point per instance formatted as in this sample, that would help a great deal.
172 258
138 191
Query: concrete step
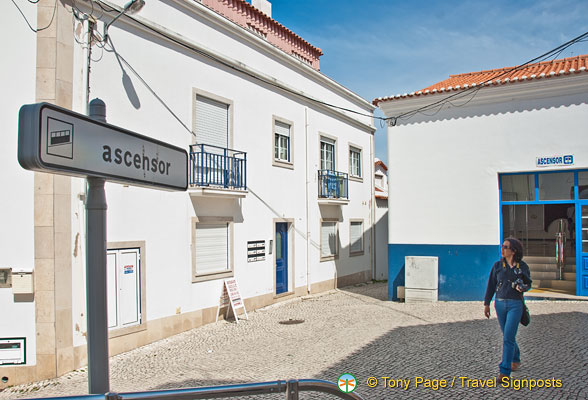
540 275
550 268
555 284
547 260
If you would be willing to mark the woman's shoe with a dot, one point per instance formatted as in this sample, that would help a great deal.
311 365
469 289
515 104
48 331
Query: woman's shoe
502 379
515 366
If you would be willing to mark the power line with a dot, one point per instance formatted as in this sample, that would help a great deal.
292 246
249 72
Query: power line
27 21
233 67
554 52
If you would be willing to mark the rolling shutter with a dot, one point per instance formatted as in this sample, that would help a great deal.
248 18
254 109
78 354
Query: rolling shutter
212 122
212 248
356 237
328 239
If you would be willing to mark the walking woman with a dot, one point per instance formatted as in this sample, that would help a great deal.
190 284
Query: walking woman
509 278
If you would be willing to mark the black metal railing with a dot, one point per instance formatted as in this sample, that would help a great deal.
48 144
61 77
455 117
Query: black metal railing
333 184
291 388
217 167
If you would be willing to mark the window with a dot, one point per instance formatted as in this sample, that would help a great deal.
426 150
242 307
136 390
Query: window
212 122
212 248
356 238
583 184
281 141
380 181
518 187
327 154
556 186
329 240
355 162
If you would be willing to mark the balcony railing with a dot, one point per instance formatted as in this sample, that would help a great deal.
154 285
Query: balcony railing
213 166
333 184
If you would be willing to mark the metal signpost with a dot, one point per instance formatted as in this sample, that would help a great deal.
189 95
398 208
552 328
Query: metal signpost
56 140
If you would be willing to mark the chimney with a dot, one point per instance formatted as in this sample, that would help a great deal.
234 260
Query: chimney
264 6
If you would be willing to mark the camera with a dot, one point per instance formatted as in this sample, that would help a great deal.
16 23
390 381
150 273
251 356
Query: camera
519 282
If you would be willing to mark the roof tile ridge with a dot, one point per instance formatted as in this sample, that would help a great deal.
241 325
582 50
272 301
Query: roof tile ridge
274 22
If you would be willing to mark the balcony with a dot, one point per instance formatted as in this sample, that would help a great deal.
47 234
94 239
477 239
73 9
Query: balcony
333 187
216 171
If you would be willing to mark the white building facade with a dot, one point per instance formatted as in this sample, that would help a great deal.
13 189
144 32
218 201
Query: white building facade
281 185
509 157
381 200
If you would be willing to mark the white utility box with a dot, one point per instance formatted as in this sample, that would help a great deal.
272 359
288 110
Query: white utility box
22 282
421 276
12 351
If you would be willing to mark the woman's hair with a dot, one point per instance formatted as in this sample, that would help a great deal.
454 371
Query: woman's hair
517 247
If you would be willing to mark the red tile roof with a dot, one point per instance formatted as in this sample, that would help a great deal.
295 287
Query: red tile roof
380 162
544 69
249 17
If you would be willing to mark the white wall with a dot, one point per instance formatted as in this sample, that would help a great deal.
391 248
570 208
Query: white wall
163 219
444 174
17 74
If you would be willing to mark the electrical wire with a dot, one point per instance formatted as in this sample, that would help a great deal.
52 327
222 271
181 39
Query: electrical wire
121 58
392 119
27 21
554 52
228 65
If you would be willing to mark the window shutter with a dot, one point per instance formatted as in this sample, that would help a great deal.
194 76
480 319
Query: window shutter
328 239
282 129
356 237
212 122
212 248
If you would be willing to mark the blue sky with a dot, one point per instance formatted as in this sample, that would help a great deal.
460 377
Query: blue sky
385 47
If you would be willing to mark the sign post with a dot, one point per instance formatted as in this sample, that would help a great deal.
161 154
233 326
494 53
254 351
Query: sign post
56 140
96 276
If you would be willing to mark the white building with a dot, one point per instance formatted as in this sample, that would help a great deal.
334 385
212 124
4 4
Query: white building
381 200
502 153
297 190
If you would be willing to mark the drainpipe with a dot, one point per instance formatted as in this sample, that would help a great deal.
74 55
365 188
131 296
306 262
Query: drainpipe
307 200
373 207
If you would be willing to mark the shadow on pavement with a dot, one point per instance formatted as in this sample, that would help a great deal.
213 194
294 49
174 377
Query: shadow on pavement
553 346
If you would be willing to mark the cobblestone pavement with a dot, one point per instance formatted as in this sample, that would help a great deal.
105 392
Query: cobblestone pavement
356 330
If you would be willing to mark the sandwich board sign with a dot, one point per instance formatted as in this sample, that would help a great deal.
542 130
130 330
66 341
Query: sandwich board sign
55 139
231 296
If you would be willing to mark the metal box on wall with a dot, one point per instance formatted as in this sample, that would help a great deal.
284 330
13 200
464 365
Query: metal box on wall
22 282
421 279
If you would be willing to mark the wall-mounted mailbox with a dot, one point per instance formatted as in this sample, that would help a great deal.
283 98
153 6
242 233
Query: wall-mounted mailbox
22 282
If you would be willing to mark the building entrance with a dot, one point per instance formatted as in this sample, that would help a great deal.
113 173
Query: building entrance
545 211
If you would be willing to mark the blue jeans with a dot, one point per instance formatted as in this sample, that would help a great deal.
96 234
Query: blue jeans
509 314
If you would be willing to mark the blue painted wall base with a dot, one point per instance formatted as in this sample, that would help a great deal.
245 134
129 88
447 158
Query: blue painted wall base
463 269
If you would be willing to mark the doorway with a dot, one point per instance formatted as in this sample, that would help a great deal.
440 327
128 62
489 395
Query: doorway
281 257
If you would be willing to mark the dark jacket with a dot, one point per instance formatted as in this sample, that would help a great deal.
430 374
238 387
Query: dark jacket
501 278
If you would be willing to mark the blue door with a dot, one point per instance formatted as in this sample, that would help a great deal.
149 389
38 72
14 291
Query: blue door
582 246
281 257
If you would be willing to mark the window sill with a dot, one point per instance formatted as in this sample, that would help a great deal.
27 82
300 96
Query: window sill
355 178
356 253
282 164
212 276
329 258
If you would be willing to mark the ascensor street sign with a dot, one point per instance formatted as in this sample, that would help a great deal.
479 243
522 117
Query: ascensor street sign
54 139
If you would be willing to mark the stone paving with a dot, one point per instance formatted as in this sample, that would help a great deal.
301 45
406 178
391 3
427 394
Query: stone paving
355 330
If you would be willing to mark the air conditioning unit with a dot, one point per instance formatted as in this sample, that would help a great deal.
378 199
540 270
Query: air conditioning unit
421 279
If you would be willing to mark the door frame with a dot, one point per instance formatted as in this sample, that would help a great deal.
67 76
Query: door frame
581 257
290 265
142 267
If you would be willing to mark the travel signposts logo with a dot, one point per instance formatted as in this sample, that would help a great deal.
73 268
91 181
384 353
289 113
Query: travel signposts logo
347 383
